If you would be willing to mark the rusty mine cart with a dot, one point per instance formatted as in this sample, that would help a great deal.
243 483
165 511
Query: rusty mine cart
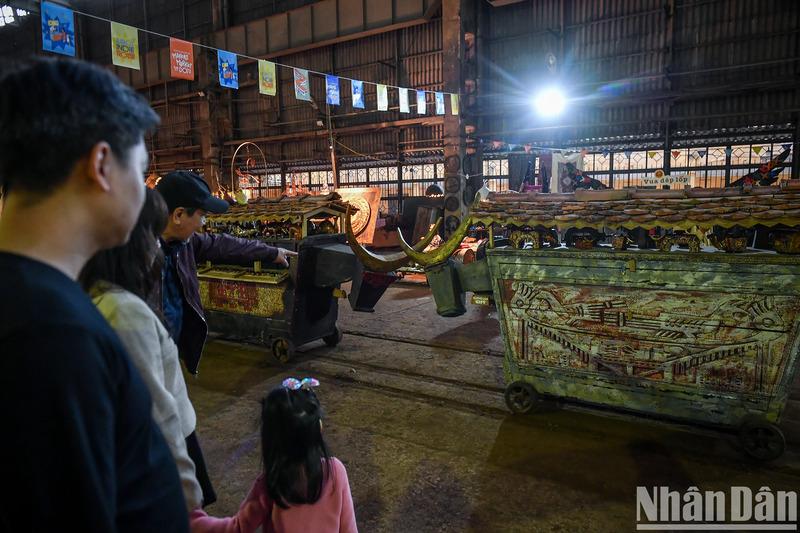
286 307
696 325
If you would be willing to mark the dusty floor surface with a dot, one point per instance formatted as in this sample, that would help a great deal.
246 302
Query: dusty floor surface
414 409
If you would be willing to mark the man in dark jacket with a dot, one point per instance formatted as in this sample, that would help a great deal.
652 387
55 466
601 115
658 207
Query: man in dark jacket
188 199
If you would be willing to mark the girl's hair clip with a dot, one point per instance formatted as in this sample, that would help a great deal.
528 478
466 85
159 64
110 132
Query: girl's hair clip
294 383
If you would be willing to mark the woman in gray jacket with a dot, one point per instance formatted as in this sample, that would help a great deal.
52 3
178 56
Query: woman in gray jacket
121 281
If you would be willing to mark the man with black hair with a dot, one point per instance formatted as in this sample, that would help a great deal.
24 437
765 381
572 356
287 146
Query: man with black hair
80 447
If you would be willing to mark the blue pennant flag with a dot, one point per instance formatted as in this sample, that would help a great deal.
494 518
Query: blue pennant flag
228 69
332 84
403 94
702 153
358 93
57 29
439 103
421 102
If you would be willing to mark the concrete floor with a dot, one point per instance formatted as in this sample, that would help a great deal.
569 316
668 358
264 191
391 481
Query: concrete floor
414 409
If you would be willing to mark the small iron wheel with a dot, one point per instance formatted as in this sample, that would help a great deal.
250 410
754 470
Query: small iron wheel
282 349
334 338
520 397
762 440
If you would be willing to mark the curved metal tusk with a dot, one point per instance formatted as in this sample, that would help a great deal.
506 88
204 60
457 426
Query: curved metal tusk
383 263
441 254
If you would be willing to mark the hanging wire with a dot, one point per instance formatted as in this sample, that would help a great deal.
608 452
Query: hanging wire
242 55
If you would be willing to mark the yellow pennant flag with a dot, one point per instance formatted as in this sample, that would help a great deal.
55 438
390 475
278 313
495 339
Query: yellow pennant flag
651 154
266 77
454 103
124 46
757 149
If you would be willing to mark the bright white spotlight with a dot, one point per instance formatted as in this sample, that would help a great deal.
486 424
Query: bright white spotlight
550 102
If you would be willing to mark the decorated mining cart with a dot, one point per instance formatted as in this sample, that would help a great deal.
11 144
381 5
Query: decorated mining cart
287 307
684 304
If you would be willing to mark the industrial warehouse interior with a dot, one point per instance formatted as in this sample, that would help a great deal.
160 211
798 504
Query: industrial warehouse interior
548 264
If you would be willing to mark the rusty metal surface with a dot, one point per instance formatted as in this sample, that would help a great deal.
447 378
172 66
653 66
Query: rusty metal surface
632 208
711 341
236 296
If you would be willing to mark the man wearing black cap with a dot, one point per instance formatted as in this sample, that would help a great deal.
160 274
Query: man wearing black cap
189 198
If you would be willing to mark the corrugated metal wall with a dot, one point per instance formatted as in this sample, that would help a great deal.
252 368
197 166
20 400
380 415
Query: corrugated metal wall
639 72
408 57
640 68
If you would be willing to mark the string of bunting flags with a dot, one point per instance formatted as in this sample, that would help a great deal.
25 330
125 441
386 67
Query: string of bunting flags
58 36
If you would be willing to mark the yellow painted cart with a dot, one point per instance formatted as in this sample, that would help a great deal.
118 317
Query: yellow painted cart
287 307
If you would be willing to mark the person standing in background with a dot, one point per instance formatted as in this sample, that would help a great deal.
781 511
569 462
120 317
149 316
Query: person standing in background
188 199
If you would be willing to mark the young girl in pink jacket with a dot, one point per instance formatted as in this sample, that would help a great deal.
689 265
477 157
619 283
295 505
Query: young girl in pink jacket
302 488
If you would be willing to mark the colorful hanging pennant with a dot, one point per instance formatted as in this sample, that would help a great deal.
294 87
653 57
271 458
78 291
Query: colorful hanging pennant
421 102
757 149
227 69
728 151
266 77
181 59
628 153
651 154
301 89
511 146
439 97
454 105
786 146
332 89
527 148
383 98
675 154
496 144
358 93
702 153
57 33
403 93
605 153
124 46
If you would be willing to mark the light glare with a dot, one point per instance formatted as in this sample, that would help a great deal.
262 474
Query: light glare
550 102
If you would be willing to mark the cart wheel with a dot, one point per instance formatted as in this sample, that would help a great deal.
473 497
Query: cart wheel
520 397
282 349
762 440
334 338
